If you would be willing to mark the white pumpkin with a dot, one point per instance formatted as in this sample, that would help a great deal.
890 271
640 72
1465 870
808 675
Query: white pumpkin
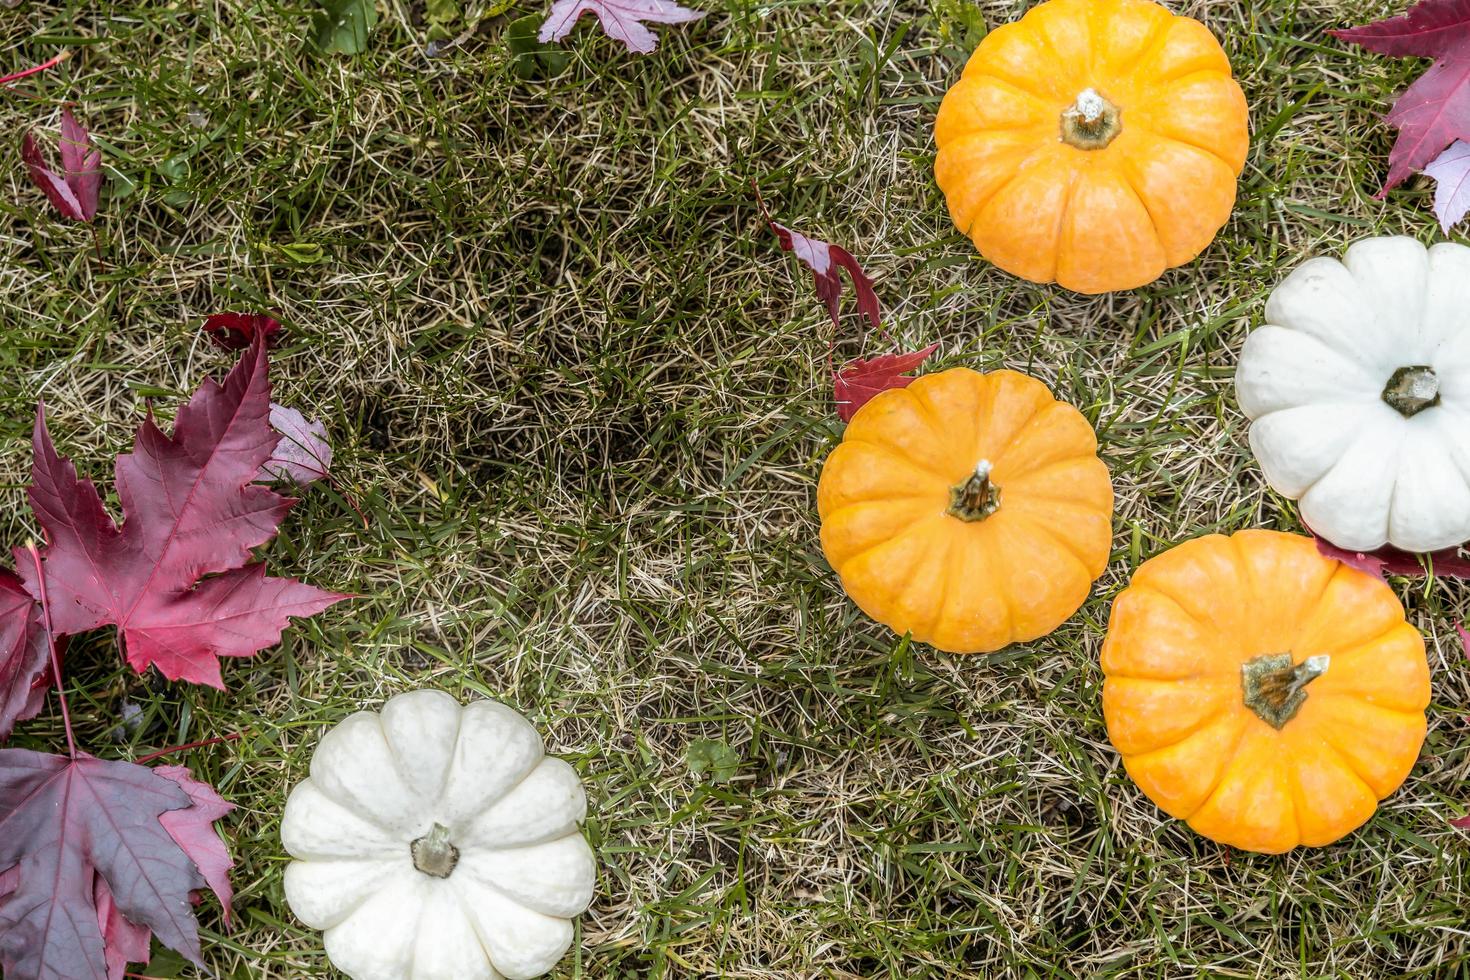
437 842
1359 391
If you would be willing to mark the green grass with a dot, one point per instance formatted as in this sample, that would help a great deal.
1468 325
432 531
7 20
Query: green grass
584 400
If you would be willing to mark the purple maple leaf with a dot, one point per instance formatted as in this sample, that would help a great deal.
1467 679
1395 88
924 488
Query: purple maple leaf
1451 172
74 191
621 20
303 455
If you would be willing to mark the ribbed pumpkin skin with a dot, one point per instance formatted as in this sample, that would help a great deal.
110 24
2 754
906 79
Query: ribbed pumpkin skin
967 587
1093 220
1172 694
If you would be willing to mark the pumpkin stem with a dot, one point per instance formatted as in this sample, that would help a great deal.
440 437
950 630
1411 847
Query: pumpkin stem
1412 389
1274 685
977 498
1092 122
433 854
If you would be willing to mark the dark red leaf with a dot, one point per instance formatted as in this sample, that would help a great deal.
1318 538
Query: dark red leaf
1427 30
860 379
122 941
24 658
192 510
1434 111
75 190
824 260
64 824
193 830
236 331
1391 561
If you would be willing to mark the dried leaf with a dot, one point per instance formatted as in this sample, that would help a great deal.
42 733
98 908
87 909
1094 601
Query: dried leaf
303 454
1451 172
621 20
861 379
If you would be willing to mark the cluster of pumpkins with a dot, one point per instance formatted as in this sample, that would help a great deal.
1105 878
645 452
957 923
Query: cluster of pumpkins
1266 694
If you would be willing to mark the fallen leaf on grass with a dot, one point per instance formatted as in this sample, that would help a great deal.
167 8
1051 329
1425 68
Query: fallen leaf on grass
177 577
236 331
1391 561
1434 111
824 259
861 379
75 190
303 455
85 840
24 656
621 20
1451 173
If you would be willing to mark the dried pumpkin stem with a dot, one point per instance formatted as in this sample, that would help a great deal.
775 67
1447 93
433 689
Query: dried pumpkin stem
1092 122
977 498
1410 390
1275 686
433 854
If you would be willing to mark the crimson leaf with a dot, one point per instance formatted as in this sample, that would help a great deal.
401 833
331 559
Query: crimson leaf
23 655
1434 111
860 379
824 259
176 577
74 191
236 331
65 824
1391 561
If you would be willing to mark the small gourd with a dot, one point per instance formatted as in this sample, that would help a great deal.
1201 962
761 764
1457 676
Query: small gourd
435 841
1264 693
1093 143
1358 388
970 510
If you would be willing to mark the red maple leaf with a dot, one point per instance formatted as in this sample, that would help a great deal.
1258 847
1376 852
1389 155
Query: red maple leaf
176 578
1434 111
89 866
74 191
860 379
23 655
236 331
1391 561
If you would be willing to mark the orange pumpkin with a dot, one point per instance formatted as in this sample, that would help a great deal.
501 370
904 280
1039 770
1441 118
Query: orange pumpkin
1094 143
967 509
1265 694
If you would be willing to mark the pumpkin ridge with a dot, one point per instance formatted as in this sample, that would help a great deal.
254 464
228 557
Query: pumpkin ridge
887 541
1064 214
1201 725
1231 758
1170 138
1012 441
893 451
1021 168
1163 27
1042 530
1205 627
1126 172
1347 763
1046 103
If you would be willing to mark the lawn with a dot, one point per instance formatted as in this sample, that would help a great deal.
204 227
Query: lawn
584 400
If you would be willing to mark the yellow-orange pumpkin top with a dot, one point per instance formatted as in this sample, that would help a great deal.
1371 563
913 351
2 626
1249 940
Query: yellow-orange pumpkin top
1094 143
1266 694
968 509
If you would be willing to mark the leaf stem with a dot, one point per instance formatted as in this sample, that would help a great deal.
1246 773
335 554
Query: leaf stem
232 737
71 744
8 79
